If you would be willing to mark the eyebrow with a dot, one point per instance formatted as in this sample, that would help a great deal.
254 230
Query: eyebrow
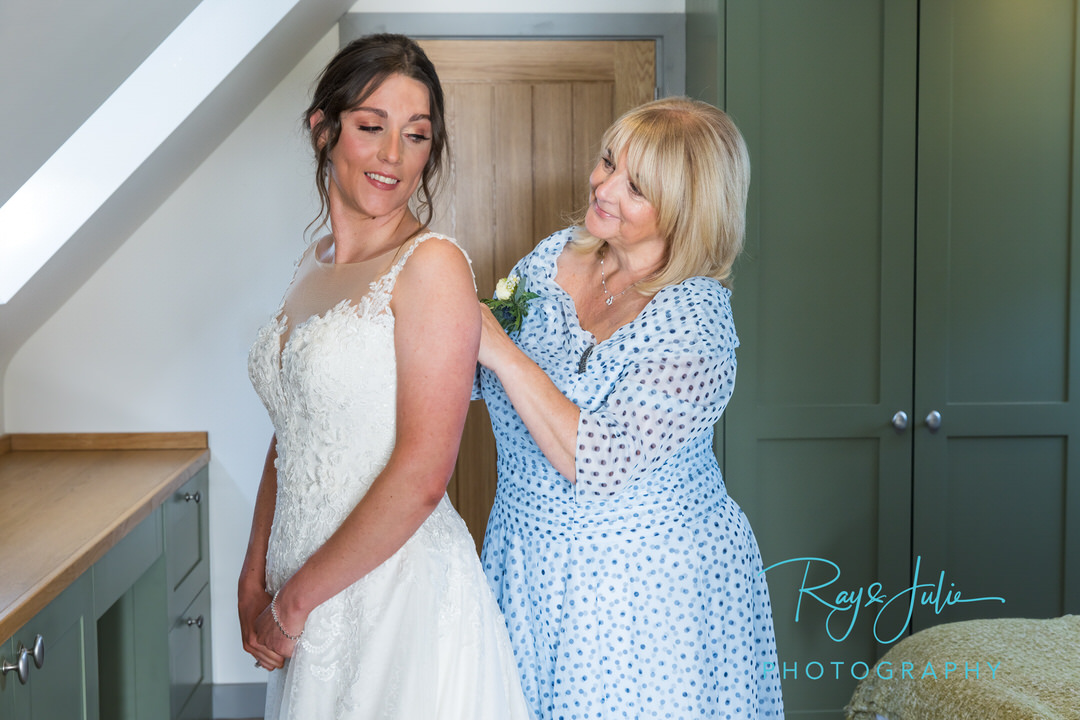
383 114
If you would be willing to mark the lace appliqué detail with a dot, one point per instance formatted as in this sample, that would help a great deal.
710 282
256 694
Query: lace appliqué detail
375 649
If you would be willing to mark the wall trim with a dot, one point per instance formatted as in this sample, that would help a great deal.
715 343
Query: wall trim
239 700
668 29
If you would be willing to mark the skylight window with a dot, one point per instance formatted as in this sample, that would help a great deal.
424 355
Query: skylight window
125 130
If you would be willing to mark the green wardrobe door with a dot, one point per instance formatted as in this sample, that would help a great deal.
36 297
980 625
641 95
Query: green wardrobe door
824 91
704 48
997 497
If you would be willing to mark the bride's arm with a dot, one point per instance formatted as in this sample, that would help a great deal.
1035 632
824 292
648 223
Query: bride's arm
252 598
437 332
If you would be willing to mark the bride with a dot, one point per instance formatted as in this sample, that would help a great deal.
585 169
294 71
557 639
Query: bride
361 591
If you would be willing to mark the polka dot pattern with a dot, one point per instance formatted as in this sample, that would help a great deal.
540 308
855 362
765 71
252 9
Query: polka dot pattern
634 592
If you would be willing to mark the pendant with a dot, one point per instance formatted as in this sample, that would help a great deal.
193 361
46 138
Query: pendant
610 300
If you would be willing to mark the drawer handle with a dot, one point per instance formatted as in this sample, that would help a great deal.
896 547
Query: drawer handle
21 666
196 496
194 621
38 653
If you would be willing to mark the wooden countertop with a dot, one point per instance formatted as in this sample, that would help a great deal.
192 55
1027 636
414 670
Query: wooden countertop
66 499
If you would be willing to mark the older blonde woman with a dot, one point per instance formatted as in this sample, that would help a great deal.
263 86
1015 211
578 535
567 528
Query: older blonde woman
629 579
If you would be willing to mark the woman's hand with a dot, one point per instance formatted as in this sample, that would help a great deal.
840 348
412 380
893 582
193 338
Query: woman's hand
495 344
552 419
272 640
252 605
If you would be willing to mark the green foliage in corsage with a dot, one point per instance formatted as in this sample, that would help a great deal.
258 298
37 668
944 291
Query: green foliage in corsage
511 302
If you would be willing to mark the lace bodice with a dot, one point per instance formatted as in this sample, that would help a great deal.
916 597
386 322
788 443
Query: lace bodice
330 390
420 636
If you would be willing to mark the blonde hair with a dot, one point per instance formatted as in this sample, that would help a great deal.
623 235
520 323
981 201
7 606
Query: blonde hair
691 163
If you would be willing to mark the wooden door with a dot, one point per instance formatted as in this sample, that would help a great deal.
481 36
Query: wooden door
997 486
525 120
824 92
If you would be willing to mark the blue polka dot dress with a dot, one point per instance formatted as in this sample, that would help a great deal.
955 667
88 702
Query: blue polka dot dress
633 593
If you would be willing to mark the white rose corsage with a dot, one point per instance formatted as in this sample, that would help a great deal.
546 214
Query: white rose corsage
511 302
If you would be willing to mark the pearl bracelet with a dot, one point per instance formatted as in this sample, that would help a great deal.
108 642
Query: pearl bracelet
273 611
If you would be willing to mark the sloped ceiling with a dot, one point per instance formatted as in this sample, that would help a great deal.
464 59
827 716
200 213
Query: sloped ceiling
60 60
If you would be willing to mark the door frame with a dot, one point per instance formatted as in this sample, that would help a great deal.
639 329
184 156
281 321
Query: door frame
667 29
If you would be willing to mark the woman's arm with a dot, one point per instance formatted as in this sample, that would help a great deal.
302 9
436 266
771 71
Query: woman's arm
437 331
252 598
676 388
551 418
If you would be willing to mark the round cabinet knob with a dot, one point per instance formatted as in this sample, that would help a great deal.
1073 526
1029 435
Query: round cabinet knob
933 421
196 496
38 652
899 420
195 621
21 665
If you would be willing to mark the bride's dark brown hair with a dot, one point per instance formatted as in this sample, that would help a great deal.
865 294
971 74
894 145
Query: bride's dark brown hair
355 73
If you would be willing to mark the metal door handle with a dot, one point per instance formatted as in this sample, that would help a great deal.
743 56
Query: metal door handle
196 496
933 421
195 621
38 653
899 420
21 666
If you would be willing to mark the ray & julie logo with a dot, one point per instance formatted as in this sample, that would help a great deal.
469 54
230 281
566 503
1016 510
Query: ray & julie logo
892 615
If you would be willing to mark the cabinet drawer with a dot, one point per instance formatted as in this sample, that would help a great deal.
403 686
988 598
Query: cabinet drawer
189 657
187 548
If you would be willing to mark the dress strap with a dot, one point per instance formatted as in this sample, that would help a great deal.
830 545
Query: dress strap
391 275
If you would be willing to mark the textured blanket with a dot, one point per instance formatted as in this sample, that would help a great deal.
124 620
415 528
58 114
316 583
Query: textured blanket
1007 669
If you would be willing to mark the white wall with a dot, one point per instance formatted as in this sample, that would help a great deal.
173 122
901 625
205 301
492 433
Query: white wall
157 339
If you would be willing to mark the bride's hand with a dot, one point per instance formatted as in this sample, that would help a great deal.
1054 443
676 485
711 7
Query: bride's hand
252 605
270 637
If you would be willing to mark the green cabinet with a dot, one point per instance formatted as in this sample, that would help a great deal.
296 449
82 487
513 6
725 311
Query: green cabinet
133 669
130 638
189 659
997 310
909 252
154 640
187 551
8 679
64 687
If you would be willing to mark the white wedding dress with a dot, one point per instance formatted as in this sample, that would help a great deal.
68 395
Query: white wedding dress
420 637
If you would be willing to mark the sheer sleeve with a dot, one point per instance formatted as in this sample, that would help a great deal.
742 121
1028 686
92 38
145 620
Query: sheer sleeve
675 392
656 408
